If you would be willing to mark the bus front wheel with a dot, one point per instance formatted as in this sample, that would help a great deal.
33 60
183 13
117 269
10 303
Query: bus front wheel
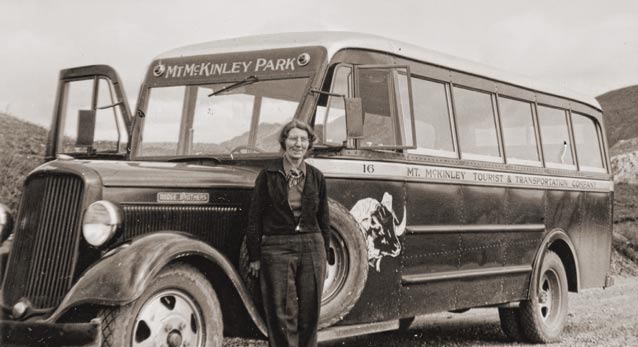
544 315
179 308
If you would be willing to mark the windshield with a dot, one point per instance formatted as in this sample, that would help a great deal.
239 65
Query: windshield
185 120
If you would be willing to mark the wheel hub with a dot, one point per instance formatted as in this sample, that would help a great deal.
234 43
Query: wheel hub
174 339
336 273
543 297
547 299
169 319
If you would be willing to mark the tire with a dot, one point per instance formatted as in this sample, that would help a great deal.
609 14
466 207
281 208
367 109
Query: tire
511 323
179 308
544 315
345 279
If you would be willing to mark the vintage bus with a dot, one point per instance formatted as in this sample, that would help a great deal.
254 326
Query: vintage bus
452 186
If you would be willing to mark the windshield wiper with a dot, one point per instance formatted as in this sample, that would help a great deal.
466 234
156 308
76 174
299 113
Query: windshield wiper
194 158
248 80
328 148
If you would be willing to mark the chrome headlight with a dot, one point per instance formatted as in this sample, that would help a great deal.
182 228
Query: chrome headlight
101 221
6 222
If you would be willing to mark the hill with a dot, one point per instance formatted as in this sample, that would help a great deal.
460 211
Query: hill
620 107
625 167
624 147
22 146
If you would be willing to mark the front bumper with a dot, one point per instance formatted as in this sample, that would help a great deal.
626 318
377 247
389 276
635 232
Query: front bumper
14 333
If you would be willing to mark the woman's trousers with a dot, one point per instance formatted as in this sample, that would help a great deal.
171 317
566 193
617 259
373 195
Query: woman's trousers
291 277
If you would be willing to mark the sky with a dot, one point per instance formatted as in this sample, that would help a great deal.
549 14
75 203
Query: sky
589 46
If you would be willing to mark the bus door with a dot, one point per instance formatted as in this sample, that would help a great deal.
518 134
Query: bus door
92 117
374 188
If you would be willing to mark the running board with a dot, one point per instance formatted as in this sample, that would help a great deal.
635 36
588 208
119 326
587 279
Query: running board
344 331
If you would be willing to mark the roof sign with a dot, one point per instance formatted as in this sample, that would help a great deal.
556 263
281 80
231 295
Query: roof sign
235 65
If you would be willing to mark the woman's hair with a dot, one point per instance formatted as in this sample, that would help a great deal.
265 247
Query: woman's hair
283 135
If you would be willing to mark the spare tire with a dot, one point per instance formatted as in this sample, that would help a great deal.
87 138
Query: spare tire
345 278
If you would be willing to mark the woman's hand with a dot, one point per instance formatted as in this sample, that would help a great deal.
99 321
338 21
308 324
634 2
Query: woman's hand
253 268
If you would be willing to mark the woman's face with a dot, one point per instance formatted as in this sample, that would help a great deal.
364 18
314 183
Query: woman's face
297 143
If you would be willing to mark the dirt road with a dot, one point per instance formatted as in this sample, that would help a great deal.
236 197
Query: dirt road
597 318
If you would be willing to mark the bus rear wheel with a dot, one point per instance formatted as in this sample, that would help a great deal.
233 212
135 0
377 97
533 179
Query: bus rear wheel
544 315
179 308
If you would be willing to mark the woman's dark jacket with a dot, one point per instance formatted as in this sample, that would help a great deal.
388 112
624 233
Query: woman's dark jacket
270 213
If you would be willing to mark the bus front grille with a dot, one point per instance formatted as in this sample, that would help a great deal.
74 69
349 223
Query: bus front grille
212 224
42 260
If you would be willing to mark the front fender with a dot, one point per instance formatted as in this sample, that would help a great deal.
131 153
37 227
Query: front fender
121 278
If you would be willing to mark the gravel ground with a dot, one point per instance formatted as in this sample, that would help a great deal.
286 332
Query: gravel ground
597 317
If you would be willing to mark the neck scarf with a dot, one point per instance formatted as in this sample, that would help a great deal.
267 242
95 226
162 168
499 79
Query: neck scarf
294 177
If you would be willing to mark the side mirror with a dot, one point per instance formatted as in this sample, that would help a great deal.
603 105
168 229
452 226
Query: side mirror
354 117
86 128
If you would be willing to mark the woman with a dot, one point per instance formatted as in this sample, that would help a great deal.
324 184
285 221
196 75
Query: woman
288 238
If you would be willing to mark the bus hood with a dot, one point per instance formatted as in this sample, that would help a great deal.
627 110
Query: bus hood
158 174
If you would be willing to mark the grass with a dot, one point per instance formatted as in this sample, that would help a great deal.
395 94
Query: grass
625 203
22 147
626 240
626 229
620 108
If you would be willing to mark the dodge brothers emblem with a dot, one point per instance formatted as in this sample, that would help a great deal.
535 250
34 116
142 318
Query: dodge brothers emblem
183 197
380 226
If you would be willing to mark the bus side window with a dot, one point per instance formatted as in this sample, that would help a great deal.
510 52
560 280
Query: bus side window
375 88
432 118
588 142
98 95
476 124
385 96
557 147
519 135
334 120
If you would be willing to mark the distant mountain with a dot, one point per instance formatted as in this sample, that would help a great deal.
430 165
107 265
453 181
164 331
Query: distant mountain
267 138
624 147
620 108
